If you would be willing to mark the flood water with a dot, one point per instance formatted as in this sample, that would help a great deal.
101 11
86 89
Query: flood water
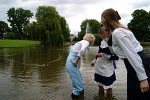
38 73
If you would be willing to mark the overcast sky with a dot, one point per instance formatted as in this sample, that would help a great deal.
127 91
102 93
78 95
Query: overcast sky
75 11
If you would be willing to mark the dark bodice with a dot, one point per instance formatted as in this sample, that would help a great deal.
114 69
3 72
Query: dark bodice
107 50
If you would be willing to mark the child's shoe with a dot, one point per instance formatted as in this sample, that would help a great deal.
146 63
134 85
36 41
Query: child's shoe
74 96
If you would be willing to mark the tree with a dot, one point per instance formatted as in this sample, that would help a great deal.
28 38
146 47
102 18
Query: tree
139 25
3 28
49 20
18 19
33 31
65 29
94 26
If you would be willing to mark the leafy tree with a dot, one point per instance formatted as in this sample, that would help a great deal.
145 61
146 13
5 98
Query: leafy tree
75 39
65 29
94 26
18 19
97 39
50 25
9 35
33 31
3 28
139 25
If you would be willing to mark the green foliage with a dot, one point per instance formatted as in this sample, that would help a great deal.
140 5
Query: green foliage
50 26
75 39
139 25
80 35
94 29
97 39
34 31
3 28
18 19
65 29
9 35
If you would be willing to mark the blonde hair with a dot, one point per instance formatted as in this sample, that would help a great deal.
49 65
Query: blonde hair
89 37
111 19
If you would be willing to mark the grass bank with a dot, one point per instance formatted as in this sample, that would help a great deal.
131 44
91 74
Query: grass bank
145 43
18 43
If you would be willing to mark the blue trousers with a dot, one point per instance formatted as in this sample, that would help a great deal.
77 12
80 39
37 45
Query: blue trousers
75 74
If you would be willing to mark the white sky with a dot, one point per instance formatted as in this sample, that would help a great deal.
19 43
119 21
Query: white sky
75 11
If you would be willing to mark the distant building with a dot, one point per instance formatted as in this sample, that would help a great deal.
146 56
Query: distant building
72 36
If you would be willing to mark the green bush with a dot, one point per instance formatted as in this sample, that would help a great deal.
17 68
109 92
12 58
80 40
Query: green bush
97 40
9 35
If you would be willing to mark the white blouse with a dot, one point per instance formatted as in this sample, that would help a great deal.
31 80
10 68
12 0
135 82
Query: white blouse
80 47
125 45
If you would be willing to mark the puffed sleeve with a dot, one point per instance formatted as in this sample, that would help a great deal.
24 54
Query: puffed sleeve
131 54
84 46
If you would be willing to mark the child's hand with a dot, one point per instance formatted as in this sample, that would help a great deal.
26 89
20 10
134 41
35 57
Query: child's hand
92 65
93 62
99 55
74 62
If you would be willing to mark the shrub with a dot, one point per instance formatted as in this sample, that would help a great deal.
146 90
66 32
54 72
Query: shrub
9 35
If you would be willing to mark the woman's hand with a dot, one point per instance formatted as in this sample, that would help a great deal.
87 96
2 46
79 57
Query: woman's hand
99 55
144 85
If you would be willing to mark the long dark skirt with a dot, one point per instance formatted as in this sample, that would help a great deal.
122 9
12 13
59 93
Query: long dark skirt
133 84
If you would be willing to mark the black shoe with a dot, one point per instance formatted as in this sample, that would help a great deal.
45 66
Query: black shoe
74 96
82 92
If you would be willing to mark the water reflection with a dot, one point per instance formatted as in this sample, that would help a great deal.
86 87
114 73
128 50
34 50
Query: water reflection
36 73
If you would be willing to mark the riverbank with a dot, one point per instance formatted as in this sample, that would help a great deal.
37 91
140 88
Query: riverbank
18 43
145 43
24 43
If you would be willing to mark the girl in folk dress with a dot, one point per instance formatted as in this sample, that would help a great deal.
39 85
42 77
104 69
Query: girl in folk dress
126 47
104 73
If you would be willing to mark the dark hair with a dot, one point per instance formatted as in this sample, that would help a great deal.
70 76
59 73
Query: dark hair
118 16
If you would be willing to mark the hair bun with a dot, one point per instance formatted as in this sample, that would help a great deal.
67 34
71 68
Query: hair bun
118 16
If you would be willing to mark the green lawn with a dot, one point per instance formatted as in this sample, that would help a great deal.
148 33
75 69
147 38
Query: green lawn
145 43
17 43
